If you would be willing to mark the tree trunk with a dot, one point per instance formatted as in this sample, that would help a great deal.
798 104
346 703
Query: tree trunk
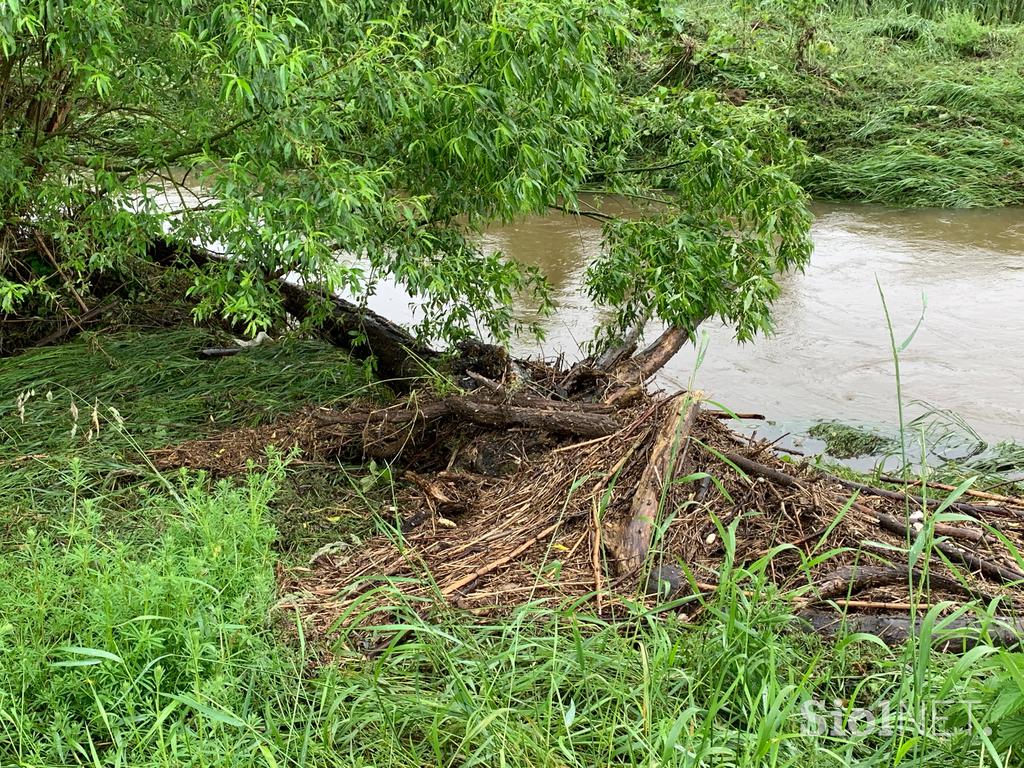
358 330
631 374
364 334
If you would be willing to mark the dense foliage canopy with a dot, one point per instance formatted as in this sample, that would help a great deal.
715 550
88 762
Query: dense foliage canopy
346 143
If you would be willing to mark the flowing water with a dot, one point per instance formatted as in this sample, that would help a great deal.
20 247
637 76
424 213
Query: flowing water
830 357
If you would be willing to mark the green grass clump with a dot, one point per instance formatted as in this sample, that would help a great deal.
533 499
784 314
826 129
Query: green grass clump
844 441
135 653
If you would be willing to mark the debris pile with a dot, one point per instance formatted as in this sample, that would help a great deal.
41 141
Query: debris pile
514 496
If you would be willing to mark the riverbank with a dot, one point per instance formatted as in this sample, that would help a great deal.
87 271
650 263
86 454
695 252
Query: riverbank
141 622
894 108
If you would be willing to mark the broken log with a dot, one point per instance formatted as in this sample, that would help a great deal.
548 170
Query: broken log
385 433
561 419
616 354
950 636
643 365
849 580
628 542
581 419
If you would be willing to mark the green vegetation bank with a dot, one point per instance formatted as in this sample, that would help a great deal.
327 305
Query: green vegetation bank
901 106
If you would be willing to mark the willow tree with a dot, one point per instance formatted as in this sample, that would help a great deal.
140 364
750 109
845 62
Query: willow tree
387 130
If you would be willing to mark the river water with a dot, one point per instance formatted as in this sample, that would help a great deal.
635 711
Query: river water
830 357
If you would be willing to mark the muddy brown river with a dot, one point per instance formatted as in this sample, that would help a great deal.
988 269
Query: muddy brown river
830 358
830 355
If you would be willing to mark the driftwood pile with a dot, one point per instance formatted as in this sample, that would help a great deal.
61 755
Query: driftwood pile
581 486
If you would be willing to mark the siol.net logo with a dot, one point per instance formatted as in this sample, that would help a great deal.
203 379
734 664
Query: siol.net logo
882 718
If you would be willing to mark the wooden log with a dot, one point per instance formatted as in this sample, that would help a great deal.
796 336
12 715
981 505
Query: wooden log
656 356
953 636
547 415
986 567
363 333
628 541
616 354
386 433
564 420
849 580
983 565
631 374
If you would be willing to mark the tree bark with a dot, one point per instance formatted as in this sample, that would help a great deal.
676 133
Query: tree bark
364 334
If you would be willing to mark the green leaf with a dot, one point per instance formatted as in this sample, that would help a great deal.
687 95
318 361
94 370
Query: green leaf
93 656
220 716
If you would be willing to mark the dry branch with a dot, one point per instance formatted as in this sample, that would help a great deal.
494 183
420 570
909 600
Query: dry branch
983 565
972 510
953 636
628 541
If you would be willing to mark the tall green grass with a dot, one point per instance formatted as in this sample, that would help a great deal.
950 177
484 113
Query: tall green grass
996 11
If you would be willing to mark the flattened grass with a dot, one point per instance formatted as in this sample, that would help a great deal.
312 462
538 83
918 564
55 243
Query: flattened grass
103 400
895 108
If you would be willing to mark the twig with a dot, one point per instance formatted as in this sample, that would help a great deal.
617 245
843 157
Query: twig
596 215
986 567
491 384
882 605
72 328
1012 500
496 564
752 467
968 509
49 255
730 415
